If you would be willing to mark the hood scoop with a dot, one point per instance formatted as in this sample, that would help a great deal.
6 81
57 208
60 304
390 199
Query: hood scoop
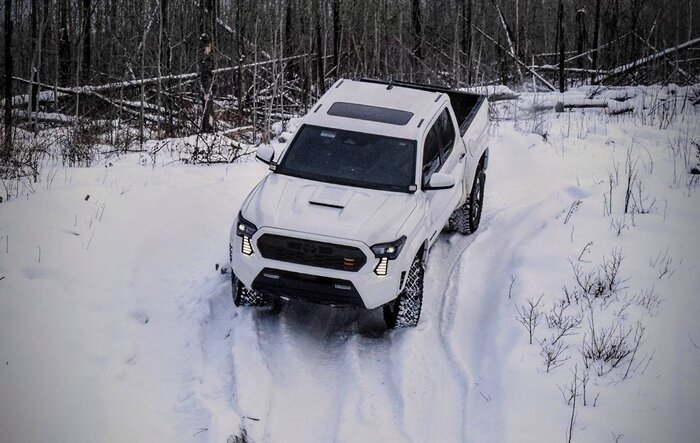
331 197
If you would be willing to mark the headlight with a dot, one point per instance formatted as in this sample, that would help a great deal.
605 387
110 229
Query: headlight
245 230
244 227
385 252
389 250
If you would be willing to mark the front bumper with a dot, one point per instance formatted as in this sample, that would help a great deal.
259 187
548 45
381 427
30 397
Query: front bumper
319 285
311 288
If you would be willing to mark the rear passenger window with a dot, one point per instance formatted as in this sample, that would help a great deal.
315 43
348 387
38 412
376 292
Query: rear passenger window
431 154
447 133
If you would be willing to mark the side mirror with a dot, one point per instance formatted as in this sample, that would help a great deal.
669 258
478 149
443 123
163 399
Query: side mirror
265 154
439 181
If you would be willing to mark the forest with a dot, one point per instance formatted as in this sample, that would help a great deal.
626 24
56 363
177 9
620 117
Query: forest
176 67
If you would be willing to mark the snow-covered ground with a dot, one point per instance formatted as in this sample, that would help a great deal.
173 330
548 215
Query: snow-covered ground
116 321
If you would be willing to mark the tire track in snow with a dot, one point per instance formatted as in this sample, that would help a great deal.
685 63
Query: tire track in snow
316 357
213 385
370 356
420 359
494 260
306 363
452 248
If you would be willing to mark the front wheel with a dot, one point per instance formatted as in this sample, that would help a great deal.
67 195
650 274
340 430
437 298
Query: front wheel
242 296
405 310
467 217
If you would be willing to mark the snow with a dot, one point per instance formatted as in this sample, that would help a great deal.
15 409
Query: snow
116 325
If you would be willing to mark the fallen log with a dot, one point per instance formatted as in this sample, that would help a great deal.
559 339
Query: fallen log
691 78
560 106
48 117
574 70
645 60
499 97
151 80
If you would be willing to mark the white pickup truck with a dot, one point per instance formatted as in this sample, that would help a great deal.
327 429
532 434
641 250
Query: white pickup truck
352 206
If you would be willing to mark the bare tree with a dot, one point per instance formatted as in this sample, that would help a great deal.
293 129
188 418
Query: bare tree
336 36
596 42
206 63
416 22
7 143
86 12
562 46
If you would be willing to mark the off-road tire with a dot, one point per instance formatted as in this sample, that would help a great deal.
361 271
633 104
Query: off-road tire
243 296
404 311
466 218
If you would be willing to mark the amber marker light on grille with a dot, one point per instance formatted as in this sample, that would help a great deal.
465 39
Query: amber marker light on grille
348 263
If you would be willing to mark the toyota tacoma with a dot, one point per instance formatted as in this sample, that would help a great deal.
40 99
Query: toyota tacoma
350 209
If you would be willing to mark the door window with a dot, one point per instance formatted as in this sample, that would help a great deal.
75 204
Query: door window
431 154
446 131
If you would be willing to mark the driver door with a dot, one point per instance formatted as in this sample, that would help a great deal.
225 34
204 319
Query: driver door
443 152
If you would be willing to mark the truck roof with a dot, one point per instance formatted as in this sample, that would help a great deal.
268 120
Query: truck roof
394 111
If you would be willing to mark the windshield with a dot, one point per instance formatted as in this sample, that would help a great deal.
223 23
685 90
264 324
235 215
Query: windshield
351 158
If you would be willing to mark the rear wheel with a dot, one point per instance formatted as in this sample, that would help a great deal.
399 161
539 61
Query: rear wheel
467 217
243 296
405 310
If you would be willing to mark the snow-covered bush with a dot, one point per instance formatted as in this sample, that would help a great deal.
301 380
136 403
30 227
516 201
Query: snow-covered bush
79 146
20 171
202 148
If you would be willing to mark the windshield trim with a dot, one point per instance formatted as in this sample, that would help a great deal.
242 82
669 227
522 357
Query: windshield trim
410 189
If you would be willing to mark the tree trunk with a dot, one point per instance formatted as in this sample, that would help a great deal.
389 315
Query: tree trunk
288 28
467 33
206 64
64 46
34 87
562 49
241 54
7 144
336 36
516 36
320 84
417 29
596 36
165 51
87 41
582 35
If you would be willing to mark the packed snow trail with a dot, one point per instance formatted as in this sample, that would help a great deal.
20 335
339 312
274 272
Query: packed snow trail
325 374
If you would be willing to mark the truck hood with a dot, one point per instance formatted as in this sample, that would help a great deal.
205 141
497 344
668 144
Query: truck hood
367 215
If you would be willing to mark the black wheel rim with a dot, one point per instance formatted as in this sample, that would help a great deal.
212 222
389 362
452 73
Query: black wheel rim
477 201
236 290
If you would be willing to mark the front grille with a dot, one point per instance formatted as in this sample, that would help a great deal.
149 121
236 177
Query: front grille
311 253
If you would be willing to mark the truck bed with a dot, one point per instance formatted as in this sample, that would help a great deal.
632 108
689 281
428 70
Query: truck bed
465 104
